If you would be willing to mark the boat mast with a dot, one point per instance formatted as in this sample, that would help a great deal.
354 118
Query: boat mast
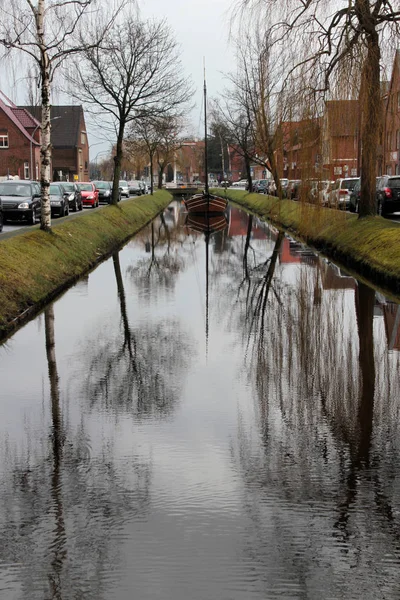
205 133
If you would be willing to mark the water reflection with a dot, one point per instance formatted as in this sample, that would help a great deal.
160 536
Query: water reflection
132 466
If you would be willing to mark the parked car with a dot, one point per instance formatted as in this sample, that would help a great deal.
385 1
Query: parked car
339 195
20 200
388 194
241 184
1 216
224 183
123 186
293 189
104 190
324 188
135 187
284 186
73 194
59 203
261 186
354 200
90 196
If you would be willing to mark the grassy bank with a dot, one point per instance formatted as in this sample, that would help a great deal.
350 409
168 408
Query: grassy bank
370 246
36 266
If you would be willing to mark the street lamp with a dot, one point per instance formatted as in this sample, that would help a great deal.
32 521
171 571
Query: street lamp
33 133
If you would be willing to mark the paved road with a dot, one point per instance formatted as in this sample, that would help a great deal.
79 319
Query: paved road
15 228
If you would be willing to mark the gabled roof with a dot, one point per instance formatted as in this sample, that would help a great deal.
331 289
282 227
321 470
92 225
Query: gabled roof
25 118
9 111
65 127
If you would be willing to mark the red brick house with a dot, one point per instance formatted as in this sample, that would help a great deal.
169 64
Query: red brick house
340 139
299 153
70 158
19 142
391 137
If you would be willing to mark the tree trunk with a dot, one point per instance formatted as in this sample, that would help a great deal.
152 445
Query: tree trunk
117 163
370 106
248 174
151 156
161 169
45 149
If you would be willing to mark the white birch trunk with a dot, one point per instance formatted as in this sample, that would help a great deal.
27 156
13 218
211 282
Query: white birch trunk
45 150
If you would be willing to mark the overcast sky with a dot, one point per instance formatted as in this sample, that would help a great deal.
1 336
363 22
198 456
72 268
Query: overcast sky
201 28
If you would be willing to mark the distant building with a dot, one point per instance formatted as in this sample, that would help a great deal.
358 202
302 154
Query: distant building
391 138
19 141
340 139
70 158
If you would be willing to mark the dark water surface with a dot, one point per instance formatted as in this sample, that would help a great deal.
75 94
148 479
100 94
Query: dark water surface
154 446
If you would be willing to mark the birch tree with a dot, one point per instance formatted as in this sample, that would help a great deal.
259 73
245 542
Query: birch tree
323 38
47 32
135 73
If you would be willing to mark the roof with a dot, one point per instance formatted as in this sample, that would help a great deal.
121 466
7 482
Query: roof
9 111
25 118
65 126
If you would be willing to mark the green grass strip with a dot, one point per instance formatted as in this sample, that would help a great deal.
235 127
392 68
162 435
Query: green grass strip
368 246
36 266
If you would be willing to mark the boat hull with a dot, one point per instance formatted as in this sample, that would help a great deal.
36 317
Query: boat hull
206 223
206 203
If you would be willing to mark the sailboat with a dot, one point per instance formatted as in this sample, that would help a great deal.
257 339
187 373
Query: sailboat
205 202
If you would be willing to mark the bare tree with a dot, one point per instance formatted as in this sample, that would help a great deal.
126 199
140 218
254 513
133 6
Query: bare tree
145 134
170 129
47 32
354 29
134 74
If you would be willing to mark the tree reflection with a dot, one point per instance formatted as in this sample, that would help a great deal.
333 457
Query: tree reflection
58 546
323 419
61 506
160 270
141 372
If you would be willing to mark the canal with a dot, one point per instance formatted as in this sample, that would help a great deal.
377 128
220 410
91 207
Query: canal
170 431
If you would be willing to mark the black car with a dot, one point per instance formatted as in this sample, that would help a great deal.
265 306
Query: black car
388 194
59 203
20 200
73 194
354 200
105 191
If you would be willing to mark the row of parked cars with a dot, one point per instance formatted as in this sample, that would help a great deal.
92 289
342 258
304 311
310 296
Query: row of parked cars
343 193
20 200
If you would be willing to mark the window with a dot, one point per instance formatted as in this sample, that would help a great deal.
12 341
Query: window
80 159
398 100
26 170
388 140
398 169
83 137
398 139
3 138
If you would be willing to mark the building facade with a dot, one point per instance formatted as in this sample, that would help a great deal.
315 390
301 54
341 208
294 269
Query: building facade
19 142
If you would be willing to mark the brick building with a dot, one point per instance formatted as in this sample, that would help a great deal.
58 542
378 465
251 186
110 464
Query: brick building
70 158
391 137
19 142
340 139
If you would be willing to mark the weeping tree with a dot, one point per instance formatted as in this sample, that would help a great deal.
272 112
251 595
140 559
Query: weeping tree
134 74
48 33
336 40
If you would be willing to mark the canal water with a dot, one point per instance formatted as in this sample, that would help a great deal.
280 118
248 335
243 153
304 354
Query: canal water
172 432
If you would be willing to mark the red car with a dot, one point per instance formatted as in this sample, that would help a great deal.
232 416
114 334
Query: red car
90 196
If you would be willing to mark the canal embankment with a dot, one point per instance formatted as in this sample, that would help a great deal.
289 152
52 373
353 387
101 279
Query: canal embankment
370 247
36 266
